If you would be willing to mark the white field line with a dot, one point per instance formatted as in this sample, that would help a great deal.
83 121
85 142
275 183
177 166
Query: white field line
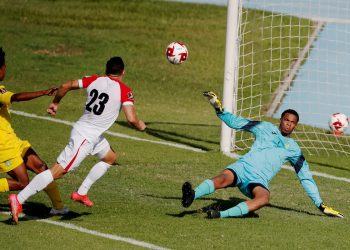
315 173
235 156
175 145
93 232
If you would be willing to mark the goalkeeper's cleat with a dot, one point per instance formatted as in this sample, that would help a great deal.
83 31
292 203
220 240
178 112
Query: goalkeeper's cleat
62 211
15 207
83 199
213 214
330 211
187 194
214 101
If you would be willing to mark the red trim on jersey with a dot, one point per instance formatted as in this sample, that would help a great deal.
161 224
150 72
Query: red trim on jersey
88 80
126 94
74 157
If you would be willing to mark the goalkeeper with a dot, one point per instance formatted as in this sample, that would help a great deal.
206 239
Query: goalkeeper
253 171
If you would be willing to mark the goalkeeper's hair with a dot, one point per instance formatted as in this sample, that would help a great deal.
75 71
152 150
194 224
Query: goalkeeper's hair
2 57
290 111
115 66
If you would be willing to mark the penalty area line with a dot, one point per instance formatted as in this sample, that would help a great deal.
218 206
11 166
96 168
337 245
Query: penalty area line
93 232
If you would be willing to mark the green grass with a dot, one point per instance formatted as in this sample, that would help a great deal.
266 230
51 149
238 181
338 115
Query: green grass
48 42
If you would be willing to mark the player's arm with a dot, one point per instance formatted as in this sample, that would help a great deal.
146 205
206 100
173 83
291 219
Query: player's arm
132 118
26 96
231 120
61 92
301 168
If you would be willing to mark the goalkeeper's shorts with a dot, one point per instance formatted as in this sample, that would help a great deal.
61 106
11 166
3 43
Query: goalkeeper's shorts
245 179
15 155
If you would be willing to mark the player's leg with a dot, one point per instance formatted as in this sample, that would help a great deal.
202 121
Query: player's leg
108 157
37 165
41 181
73 154
261 197
224 179
19 179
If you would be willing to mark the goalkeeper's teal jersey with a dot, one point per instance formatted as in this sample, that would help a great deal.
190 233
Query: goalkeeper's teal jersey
270 151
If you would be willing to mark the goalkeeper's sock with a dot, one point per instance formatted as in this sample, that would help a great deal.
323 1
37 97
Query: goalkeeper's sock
54 195
97 171
4 185
205 188
237 211
38 183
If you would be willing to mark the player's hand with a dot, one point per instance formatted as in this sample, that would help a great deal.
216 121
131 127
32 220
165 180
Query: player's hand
51 91
214 101
52 109
330 211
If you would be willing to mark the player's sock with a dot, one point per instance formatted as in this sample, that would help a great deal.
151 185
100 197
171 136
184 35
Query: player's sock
38 183
54 195
206 187
239 210
4 185
95 173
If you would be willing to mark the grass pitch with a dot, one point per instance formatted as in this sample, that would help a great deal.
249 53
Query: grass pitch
48 42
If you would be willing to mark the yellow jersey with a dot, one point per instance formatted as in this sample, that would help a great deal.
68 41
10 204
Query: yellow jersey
9 145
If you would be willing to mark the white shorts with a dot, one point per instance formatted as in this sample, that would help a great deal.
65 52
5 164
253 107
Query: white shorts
79 148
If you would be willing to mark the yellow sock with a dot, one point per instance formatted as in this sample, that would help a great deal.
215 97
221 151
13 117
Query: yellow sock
54 195
4 185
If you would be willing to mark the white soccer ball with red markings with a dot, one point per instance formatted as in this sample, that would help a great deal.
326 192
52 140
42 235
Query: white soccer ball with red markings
176 53
338 123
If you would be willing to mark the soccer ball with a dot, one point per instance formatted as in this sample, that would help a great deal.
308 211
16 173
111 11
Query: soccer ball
338 123
176 53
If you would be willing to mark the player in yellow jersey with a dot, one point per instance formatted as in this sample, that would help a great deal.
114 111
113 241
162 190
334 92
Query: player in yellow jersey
17 156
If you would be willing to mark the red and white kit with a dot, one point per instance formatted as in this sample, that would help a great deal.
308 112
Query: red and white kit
105 98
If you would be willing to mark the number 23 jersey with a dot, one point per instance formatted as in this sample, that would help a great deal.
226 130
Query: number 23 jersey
105 97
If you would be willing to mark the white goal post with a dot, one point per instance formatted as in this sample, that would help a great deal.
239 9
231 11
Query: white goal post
288 54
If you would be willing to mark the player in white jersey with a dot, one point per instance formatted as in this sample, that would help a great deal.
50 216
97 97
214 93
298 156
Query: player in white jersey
106 95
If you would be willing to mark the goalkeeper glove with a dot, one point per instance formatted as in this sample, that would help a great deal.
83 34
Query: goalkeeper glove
214 101
330 211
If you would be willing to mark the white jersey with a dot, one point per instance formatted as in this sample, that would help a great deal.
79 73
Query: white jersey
105 98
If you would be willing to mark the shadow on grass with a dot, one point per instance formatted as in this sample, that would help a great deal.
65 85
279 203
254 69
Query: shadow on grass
38 211
221 205
175 136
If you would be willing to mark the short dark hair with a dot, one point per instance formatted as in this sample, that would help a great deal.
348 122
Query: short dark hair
2 57
115 66
290 111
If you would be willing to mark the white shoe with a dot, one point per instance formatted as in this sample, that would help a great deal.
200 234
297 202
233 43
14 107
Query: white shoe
62 211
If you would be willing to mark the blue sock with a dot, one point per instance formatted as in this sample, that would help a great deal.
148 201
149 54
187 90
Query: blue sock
206 187
237 211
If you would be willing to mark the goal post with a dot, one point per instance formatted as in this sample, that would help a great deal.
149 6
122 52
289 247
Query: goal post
230 74
288 54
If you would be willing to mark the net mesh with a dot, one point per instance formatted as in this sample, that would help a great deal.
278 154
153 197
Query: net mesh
295 54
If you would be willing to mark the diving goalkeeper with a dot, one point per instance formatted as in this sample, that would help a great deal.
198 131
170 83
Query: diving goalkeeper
253 171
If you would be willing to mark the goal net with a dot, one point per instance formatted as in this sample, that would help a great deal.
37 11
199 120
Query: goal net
294 54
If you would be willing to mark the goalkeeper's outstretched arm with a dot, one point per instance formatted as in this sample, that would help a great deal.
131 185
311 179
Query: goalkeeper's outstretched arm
231 120
302 169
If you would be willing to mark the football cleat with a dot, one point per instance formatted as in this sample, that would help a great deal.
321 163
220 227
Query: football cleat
62 211
187 194
83 199
15 207
330 211
213 214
